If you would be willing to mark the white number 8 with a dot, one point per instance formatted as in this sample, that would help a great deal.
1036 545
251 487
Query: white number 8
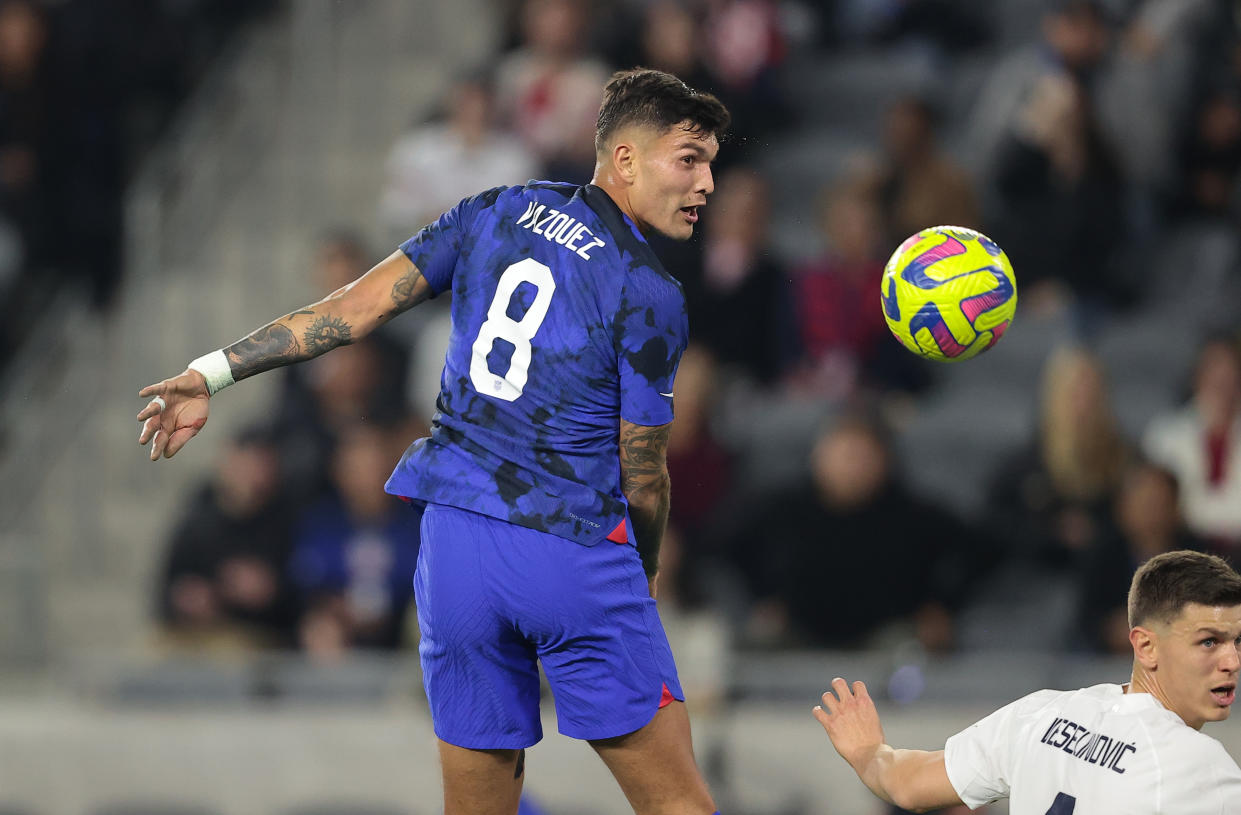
499 325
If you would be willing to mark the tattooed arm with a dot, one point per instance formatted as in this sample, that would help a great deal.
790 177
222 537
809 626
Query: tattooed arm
645 482
346 315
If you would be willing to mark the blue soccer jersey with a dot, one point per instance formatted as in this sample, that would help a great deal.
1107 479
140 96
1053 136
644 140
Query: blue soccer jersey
563 323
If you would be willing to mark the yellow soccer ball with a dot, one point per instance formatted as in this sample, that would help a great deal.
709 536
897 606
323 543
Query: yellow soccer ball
948 293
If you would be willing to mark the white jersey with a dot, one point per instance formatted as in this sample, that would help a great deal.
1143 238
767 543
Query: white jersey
1089 752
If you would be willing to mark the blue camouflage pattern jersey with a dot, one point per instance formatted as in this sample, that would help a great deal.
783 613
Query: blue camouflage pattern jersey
564 322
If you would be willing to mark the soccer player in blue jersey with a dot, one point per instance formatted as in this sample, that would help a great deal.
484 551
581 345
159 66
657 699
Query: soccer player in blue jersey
544 478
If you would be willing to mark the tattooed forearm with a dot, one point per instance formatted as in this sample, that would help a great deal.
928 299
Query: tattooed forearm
643 454
325 333
645 482
348 314
410 289
276 343
270 347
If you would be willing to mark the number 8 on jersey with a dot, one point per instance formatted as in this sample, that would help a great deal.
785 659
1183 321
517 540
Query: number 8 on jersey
499 325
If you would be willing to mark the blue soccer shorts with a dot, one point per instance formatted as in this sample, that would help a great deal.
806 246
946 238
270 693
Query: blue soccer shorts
493 597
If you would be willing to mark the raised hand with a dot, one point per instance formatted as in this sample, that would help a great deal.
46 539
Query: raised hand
851 722
175 414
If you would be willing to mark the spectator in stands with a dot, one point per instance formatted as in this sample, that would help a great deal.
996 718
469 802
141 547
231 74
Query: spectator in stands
1146 522
744 51
1073 40
1059 190
671 41
25 127
1211 156
317 398
434 166
919 185
734 49
1061 197
1153 83
224 575
335 391
549 88
938 30
1201 444
735 292
838 329
854 505
1050 500
841 341
356 550
702 467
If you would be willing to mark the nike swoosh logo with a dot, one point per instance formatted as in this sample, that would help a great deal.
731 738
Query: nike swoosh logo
661 393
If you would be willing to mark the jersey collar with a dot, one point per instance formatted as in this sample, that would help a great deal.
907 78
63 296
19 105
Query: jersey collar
628 237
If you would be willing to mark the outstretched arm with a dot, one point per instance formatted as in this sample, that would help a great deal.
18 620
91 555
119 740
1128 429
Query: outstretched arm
178 407
347 314
912 779
645 482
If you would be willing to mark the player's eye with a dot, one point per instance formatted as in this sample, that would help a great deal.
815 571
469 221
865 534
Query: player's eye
1209 642
687 159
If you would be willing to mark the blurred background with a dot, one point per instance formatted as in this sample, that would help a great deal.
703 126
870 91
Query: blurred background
233 632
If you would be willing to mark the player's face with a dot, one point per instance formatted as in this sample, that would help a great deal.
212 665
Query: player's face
1199 659
672 180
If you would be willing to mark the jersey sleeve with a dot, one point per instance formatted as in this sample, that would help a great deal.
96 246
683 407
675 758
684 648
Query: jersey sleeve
980 759
436 247
650 333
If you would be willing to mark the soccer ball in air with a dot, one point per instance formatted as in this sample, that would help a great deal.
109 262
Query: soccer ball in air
948 293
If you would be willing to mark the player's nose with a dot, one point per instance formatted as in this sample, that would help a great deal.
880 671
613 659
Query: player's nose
706 181
1230 659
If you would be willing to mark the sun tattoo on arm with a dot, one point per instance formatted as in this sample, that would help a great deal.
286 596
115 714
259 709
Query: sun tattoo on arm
325 333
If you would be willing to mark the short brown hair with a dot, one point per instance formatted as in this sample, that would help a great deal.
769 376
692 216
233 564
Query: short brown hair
1166 583
658 100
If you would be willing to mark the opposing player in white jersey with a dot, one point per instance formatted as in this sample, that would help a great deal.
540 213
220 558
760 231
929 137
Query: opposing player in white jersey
1135 748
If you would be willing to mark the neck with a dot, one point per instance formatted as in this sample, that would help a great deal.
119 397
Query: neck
617 190
1144 681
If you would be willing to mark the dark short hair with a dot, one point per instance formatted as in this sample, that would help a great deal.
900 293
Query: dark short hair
1165 584
657 100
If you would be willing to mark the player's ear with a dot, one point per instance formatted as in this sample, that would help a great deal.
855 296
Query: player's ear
625 160
1145 647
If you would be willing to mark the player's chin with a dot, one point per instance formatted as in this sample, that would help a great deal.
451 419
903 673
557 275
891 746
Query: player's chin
678 230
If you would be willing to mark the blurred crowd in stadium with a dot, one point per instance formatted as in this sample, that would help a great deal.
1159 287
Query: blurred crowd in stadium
1109 134
85 89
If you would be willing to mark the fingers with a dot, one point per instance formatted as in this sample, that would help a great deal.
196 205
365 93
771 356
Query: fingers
859 690
156 406
843 695
153 390
842 690
822 716
149 427
178 440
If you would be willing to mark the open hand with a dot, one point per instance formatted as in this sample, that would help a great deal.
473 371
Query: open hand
851 721
175 414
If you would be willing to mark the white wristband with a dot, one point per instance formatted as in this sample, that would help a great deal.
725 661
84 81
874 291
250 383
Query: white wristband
215 369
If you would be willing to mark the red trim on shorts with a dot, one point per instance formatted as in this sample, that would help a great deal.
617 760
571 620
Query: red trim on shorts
620 534
666 698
